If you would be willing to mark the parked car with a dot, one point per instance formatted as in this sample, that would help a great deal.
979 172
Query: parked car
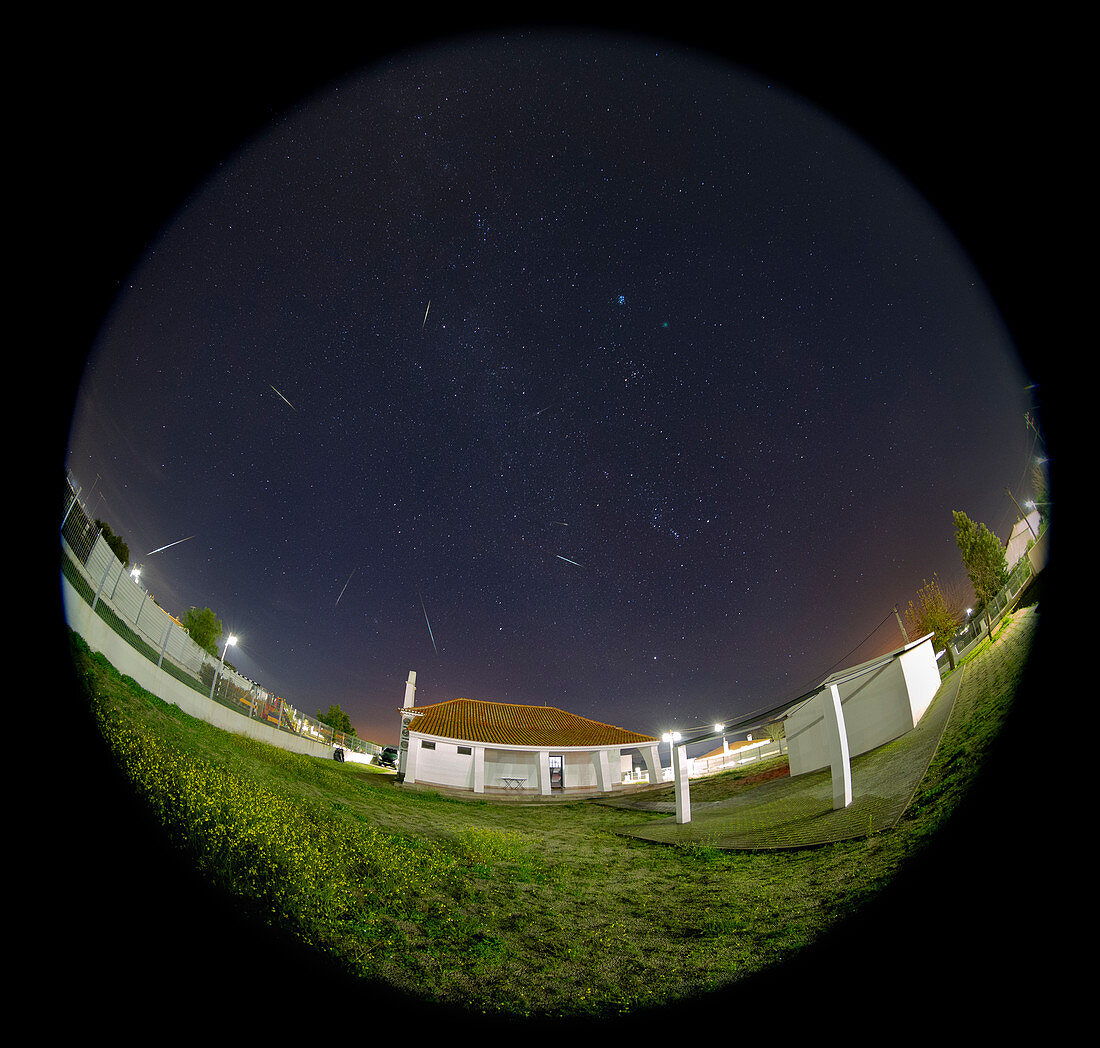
388 757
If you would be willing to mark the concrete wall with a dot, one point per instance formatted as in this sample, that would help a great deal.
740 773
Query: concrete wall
879 706
1038 553
130 663
443 766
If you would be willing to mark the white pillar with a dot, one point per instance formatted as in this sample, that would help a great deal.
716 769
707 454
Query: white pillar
479 769
544 772
652 762
680 777
603 771
839 759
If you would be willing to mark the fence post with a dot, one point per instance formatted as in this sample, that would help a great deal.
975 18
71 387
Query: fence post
163 647
68 508
137 617
103 581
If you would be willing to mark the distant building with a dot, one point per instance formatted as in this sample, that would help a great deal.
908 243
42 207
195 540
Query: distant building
1023 532
729 749
730 754
488 747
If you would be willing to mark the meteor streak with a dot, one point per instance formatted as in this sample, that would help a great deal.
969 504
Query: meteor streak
291 406
567 560
353 571
176 543
425 610
425 320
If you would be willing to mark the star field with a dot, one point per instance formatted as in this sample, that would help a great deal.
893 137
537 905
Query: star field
683 421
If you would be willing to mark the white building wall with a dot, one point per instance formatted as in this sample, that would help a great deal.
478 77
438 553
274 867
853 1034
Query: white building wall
1023 532
580 770
441 763
922 678
444 765
877 707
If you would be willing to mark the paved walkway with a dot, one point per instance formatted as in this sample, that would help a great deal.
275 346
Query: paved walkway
798 812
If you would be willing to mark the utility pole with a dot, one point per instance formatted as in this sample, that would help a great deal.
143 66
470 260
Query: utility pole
1021 512
901 626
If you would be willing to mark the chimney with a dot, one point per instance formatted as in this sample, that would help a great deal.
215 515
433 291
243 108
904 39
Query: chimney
410 689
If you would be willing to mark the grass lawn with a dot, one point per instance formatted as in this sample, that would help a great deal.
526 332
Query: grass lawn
495 910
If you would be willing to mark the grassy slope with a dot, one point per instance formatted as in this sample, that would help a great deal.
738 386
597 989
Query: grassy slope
509 910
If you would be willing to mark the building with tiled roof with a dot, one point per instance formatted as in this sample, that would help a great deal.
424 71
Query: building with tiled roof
485 746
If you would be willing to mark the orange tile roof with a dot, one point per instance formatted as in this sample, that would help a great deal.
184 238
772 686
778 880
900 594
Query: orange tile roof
505 724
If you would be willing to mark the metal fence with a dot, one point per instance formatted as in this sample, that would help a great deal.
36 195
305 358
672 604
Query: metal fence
118 598
1018 578
753 753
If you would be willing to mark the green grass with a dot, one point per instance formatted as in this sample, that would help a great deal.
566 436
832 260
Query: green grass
536 910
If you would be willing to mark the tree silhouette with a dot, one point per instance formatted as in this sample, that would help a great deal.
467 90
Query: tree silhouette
336 719
118 547
204 627
983 557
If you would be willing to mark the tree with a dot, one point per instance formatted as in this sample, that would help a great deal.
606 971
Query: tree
336 719
204 627
934 613
118 547
983 557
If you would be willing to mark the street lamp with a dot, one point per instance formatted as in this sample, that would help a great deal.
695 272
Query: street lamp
725 744
671 737
230 640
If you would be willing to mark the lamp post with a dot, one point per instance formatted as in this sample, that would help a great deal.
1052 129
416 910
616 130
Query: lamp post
725 746
671 737
229 640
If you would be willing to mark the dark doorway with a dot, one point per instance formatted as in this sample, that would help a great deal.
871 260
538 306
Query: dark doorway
557 772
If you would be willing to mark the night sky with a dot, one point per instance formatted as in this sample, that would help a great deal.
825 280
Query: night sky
562 368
